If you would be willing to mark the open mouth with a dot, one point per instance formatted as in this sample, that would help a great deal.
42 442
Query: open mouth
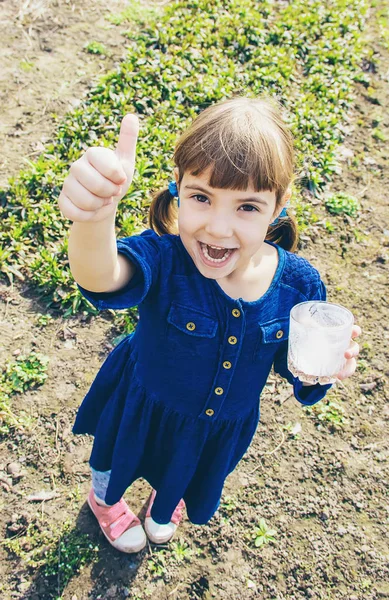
216 254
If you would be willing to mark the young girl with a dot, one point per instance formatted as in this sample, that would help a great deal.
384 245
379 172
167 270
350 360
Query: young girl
177 402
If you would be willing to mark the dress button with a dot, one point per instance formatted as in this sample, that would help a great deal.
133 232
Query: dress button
191 326
227 364
219 391
209 412
236 312
279 334
232 340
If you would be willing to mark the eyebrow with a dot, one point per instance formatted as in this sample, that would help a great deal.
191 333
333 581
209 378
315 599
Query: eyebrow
208 193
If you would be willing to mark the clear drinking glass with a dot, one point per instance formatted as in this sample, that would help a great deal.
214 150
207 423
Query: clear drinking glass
319 335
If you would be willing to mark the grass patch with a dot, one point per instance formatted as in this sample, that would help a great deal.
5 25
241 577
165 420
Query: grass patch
343 204
96 48
18 376
58 553
328 413
307 54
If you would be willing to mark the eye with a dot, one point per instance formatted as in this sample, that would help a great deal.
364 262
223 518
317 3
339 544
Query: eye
200 198
249 208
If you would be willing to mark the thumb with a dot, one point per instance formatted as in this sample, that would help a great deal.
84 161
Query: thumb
126 146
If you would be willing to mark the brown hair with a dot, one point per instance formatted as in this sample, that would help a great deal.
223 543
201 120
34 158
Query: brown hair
245 141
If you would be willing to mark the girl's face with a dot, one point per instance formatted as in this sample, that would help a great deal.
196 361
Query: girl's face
223 230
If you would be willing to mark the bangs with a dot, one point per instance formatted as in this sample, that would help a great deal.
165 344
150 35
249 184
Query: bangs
241 146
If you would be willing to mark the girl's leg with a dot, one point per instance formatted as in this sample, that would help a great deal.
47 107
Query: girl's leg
118 523
100 481
162 533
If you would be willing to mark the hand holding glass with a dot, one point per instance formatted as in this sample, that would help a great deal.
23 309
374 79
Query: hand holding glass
319 335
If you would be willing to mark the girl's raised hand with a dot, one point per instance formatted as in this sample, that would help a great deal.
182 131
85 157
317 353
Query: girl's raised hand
350 354
100 178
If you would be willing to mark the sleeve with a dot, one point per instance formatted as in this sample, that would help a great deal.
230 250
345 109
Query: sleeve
144 251
307 395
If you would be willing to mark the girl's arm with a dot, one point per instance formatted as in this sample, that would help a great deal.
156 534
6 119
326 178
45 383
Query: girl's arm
94 261
91 192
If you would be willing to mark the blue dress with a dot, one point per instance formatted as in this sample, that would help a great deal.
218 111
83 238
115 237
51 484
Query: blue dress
177 401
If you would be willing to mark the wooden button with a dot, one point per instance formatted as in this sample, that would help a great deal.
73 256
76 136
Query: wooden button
279 334
219 391
232 340
191 326
227 364
236 312
209 412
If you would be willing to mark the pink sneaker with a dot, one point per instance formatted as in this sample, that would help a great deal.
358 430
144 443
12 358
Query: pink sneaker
160 534
119 524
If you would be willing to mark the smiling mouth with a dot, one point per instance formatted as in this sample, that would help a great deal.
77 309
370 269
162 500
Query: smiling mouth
216 254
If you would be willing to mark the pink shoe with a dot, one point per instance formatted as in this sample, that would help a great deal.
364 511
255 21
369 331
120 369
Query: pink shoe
160 534
119 524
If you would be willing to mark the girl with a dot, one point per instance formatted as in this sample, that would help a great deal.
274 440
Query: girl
177 402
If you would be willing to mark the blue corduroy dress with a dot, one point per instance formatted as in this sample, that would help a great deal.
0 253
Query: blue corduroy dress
177 401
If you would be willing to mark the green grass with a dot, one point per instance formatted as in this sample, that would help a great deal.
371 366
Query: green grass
17 377
329 413
58 553
306 53
343 204
96 48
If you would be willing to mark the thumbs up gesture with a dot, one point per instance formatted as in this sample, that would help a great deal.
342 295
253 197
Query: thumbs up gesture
100 178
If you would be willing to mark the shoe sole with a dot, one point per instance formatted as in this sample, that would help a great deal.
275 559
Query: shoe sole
127 550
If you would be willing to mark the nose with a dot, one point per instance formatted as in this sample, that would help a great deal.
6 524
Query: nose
219 227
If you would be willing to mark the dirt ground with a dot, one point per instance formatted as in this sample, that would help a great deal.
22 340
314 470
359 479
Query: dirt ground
324 491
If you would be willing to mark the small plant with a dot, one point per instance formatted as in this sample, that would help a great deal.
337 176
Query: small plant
229 504
342 204
26 372
328 226
26 65
43 320
16 377
362 365
95 48
263 534
293 430
181 551
330 412
157 563
379 135
126 321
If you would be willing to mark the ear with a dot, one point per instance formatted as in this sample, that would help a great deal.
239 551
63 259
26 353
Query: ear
176 174
285 198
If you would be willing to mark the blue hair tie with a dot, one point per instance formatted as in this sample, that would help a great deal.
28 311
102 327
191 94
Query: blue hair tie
282 214
174 190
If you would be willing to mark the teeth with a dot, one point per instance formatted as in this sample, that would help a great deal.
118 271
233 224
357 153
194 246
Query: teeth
215 260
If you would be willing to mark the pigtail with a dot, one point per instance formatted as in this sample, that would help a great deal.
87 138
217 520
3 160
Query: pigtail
163 213
284 233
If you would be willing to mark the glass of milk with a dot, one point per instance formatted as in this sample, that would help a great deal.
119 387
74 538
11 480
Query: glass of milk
319 335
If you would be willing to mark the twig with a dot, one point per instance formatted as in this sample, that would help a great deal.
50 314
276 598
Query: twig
148 542
277 447
176 588
271 452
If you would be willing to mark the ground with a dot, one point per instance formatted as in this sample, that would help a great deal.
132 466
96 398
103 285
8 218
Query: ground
324 489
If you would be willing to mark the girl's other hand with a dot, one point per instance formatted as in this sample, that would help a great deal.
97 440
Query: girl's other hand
100 178
350 354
